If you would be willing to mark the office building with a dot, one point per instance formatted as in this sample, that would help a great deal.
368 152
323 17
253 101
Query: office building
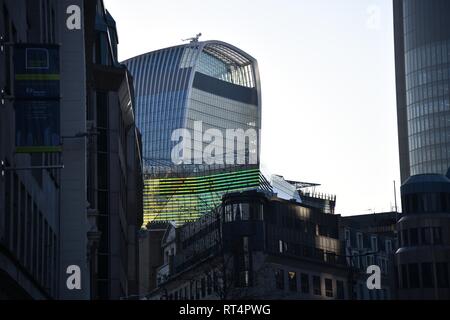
370 239
29 199
114 163
150 255
422 54
422 60
256 246
206 88
72 113
423 257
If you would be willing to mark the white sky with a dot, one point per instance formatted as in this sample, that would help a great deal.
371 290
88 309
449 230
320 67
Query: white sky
328 82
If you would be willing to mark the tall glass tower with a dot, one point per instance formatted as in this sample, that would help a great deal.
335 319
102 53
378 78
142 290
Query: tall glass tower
212 83
422 54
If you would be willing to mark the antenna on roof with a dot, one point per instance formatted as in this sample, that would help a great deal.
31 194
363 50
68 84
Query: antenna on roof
193 39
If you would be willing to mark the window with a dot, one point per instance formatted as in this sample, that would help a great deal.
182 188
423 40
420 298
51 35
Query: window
197 290
255 211
209 284
347 238
304 282
388 246
413 270
282 246
15 215
370 260
102 54
414 236
191 290
292 277
404 276
317 288
215 282
244 279
22 224
245 211
279 279
437 235
405 238
361 292
329 288
359 240
6 26
427 275
229 213
203 284
237 212
29 223
442 275
355 259
40 245
374 243
340 289
426 236
243 263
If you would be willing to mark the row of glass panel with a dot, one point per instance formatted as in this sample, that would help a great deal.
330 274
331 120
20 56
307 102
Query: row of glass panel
440 167
434 54
437 122
432 91
430 153
428 107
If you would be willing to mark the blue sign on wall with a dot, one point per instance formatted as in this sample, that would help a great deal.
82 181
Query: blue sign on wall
37 94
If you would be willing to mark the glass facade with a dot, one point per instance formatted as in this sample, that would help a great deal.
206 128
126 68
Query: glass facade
423 80
176 88
187 198
211 82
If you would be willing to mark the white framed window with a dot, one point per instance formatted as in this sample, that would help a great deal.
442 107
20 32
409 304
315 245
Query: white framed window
282 246
359 240
374 243
347 238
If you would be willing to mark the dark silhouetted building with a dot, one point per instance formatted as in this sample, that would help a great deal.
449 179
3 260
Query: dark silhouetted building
150 255
29 199
370 239
88 212
422 54
423 257
256 246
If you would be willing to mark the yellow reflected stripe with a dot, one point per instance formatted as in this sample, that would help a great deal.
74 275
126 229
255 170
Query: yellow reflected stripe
207 176
199 181
188 198
190 186
200 187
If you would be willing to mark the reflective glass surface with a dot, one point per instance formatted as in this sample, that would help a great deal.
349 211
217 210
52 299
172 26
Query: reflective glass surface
427 71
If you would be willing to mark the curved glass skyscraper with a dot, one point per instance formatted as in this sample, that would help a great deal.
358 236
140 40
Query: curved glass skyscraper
213 82
422 50
209 86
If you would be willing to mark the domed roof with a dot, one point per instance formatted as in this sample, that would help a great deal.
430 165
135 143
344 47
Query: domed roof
426 183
